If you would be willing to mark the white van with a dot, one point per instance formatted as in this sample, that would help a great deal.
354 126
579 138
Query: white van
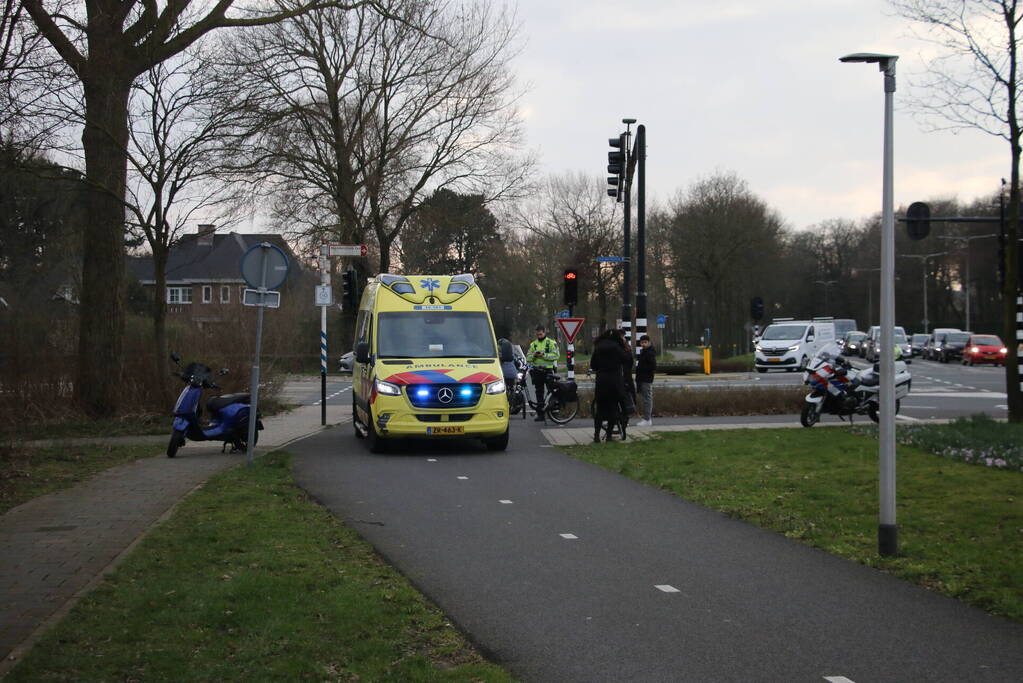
790 344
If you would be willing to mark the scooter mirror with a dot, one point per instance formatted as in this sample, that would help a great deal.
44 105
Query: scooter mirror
175 357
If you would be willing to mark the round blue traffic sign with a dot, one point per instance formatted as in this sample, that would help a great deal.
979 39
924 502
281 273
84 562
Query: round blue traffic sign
264 265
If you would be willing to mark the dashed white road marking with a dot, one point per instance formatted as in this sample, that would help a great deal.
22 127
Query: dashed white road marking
431 460
461 477
665 588
907 418
838 679
570 537
505 502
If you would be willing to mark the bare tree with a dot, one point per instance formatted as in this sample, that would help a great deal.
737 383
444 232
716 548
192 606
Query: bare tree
363 117
179 138
107 44
573 219
974 84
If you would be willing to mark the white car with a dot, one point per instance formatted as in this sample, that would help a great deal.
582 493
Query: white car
346 362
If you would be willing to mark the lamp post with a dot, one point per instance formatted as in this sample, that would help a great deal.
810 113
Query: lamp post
923 261
966 282
887 531
827 284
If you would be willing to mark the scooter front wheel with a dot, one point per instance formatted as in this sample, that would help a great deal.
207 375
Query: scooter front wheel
177 440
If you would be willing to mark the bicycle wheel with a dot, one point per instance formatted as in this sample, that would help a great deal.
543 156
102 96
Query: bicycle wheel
561 411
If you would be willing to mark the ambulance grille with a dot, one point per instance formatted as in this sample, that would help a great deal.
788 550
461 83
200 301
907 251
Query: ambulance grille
461 395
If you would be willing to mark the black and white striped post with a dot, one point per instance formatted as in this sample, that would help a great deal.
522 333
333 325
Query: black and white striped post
1019 328
640 154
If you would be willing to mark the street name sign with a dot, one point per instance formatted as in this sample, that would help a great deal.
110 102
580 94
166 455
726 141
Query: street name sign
347 250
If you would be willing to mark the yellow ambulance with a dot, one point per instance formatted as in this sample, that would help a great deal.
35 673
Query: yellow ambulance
426 363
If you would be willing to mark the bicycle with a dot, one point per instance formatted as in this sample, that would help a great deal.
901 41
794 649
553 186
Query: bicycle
562 401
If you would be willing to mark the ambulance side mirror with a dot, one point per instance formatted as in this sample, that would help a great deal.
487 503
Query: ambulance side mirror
362 352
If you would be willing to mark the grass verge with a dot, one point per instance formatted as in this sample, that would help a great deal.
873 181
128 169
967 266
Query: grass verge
960 527
27 473
251 580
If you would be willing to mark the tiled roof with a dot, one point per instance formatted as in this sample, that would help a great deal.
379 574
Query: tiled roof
192 261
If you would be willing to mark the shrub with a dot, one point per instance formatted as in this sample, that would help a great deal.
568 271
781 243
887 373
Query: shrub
717 402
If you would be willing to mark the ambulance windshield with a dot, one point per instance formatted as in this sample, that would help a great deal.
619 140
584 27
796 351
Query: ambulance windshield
435 334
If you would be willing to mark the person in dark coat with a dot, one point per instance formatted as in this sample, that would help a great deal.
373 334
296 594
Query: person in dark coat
608 363
646 366
629 403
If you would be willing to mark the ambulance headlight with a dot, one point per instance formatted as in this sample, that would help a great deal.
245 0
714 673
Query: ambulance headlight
387 389
496 387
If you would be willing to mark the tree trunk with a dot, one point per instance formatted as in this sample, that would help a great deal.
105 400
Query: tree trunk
101 314
160 349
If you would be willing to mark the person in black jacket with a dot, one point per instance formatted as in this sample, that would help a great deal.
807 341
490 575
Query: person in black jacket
645 369
629 402
608 362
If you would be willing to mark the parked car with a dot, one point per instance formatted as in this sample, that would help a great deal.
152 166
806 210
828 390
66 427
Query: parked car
937 342
984 348
852 342
952 346
346 362
917 343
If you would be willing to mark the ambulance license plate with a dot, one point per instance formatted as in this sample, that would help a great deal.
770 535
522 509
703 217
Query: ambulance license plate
453 429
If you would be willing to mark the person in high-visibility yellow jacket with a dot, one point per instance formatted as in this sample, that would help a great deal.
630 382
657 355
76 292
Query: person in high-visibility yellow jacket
543 356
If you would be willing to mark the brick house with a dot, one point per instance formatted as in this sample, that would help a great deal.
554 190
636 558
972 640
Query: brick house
204 282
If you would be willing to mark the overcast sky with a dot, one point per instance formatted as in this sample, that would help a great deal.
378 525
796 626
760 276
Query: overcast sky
750 86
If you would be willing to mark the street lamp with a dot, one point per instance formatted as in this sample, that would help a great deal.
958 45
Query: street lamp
966 282
887 531
923 261
827 284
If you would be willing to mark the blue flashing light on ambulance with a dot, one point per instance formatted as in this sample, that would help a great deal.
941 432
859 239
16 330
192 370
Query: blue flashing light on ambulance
426 363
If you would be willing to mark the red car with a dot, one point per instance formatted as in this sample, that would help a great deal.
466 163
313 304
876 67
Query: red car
984 348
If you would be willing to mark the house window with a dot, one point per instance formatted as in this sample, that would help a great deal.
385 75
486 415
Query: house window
207 294
179 295
225 294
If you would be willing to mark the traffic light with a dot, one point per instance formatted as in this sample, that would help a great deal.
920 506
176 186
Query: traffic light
918 220
350 290
571 282
616 167
756 308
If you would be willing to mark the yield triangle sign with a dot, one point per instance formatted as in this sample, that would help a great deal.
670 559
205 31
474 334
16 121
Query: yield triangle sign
570 327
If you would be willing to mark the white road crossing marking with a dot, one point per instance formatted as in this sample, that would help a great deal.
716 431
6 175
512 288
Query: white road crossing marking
665 588
505 502
570 537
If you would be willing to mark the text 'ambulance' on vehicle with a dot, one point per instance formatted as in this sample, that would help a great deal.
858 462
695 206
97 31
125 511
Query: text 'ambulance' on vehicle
426 363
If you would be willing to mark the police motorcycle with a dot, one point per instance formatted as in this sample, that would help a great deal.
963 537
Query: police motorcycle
229 413
838 388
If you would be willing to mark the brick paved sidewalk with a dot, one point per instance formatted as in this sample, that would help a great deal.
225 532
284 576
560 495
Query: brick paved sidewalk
57 547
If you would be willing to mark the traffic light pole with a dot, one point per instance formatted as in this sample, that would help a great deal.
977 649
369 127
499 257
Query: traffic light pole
641 322
627 249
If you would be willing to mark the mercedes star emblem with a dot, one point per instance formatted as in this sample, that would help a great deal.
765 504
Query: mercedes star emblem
445 395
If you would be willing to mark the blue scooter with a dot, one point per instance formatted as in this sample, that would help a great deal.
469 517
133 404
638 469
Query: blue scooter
229 413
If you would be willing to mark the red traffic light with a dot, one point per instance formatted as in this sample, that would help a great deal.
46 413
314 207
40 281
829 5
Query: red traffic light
570 275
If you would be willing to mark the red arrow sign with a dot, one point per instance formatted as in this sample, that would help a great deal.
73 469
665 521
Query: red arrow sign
570 327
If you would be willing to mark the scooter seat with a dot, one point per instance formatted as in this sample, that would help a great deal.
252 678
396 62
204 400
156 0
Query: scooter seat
214 405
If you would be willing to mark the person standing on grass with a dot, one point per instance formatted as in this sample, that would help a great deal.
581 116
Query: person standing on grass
645 369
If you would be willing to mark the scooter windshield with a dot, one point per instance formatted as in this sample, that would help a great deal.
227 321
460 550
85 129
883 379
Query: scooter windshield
197 372
829 351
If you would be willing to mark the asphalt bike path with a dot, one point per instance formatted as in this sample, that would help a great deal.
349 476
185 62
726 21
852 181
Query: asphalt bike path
563 571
